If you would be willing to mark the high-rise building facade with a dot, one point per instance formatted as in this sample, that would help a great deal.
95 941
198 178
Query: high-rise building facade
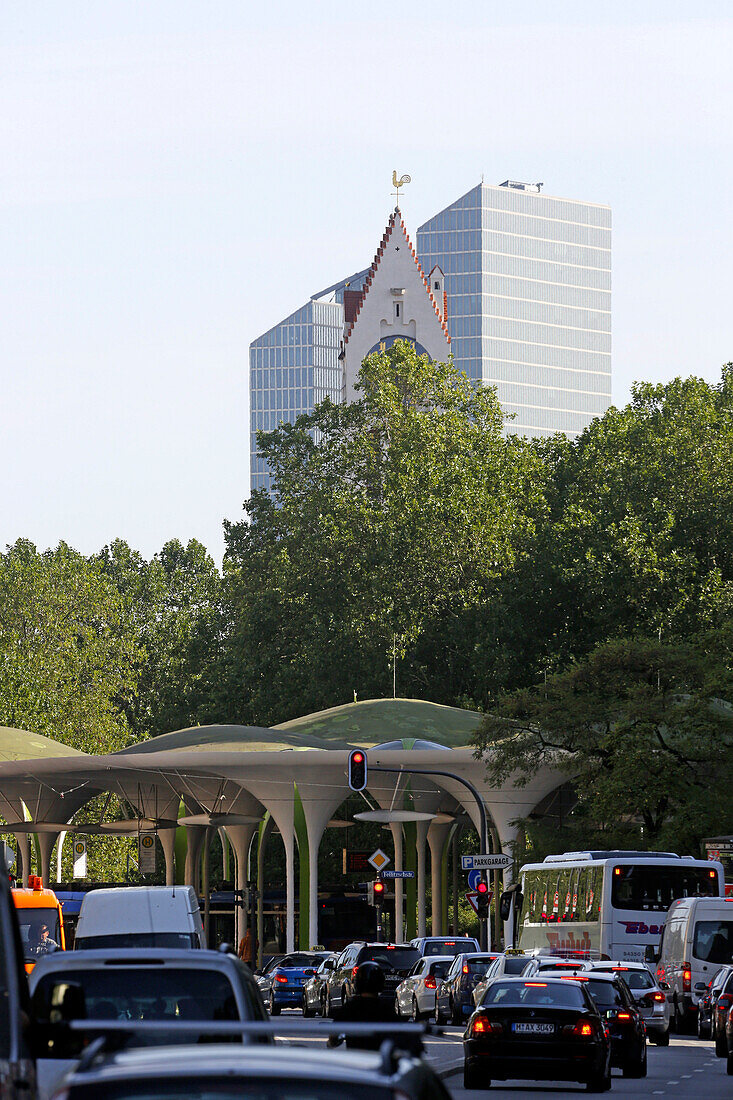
528 282
525 295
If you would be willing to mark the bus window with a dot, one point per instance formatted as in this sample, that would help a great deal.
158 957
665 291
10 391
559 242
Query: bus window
655 887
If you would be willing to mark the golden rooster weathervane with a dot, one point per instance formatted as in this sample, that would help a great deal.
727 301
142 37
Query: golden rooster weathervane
397 183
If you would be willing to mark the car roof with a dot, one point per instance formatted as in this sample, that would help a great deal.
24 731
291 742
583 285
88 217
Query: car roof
98 959
595 965
512 979
193 1061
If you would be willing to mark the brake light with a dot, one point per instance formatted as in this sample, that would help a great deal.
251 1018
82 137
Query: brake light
465 968
659 998
450 943
281 978
686 977
619 969
724 1000
582 1029
483 1026
535 985
623 1015
430 982
572 978
353 971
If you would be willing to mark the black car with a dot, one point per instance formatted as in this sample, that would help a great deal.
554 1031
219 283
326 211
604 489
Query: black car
541 1030
623 1019
396 959
706 1004
454 995
721 1007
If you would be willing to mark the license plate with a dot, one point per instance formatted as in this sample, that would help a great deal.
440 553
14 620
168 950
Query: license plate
533 1029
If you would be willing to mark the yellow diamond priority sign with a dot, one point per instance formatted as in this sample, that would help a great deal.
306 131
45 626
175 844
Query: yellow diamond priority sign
379 860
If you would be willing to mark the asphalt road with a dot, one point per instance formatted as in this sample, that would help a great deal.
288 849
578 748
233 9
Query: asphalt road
686 1068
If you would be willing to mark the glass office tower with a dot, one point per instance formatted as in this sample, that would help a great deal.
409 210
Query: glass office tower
528 279
292 367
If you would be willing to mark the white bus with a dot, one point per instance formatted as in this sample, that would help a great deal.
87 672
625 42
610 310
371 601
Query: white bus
607 904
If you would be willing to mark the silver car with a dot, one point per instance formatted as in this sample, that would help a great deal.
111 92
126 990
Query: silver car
648 995
415 995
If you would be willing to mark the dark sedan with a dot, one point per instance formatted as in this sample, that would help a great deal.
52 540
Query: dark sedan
548 1030
454 995
624 1020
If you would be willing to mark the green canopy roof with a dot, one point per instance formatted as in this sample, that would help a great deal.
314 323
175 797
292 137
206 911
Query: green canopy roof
376 721
24 745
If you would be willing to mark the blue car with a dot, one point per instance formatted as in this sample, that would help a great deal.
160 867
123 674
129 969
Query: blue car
281 981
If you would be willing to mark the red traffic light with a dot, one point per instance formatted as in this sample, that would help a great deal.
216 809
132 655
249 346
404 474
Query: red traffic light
482 888
379 888
357 771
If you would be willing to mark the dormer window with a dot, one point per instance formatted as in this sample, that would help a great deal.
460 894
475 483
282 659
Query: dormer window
436 285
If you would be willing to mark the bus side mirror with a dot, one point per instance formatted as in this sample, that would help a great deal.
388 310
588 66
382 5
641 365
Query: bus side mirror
651 953
505 906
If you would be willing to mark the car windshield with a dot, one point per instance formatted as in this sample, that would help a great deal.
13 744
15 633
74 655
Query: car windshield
142 993
136 939
223 1088
655 888
713 941
392 958
39 931
605 994
530 992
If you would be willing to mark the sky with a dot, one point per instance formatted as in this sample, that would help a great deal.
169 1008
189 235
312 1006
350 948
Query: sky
176 177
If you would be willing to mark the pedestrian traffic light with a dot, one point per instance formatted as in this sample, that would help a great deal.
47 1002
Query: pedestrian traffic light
483 899
357 769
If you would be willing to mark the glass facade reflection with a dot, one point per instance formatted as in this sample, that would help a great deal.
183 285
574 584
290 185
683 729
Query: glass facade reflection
293 367
528 279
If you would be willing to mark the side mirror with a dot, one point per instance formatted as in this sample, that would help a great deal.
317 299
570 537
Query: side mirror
700 987
664 986
651 953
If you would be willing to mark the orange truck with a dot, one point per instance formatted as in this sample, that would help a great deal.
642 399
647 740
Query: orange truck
40 919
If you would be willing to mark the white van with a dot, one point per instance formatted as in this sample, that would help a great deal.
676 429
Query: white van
140 916
697 939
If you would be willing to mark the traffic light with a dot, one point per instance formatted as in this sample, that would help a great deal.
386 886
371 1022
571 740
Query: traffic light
357 769
483 899
375 892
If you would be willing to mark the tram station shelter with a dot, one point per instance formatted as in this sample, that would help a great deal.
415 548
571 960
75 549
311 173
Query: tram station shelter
245 781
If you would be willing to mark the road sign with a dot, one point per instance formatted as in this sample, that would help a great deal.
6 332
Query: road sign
146 854
485 862
474 878
379 859
398 874
80 857
472 899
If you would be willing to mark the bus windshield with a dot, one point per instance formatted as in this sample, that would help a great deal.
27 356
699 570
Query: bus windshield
648 887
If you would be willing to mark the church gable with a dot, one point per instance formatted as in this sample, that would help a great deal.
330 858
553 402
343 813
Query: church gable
396 303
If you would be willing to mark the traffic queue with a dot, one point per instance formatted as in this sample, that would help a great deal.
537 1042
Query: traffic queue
135 1000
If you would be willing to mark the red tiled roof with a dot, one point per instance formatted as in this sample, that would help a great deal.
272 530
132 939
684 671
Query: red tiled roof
373 269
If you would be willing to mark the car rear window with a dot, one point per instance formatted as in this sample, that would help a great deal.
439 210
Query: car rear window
515 965
137 939
479 966
141 993
296 962
392 958
203 1087
439 969
447 947
635 979
713 941
605 994
533 992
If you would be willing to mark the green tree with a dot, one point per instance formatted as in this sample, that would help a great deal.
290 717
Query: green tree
642 728
391 519
66 655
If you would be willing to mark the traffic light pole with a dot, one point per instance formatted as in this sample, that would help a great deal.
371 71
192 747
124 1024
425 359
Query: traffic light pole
484 937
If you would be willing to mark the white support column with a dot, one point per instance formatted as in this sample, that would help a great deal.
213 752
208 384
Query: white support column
194 839
399 892
23 846
437 837
46 842
240 838
422 832
167 839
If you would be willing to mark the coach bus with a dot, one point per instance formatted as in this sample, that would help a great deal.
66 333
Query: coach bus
607 904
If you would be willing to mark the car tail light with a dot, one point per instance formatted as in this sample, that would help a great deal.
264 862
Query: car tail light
430 982
353 971
650 999
582 1029
281 978
465 968
483 1026
623 1015
686 977
724 1002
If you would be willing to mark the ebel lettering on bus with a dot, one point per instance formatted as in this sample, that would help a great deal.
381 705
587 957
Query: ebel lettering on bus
638 928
